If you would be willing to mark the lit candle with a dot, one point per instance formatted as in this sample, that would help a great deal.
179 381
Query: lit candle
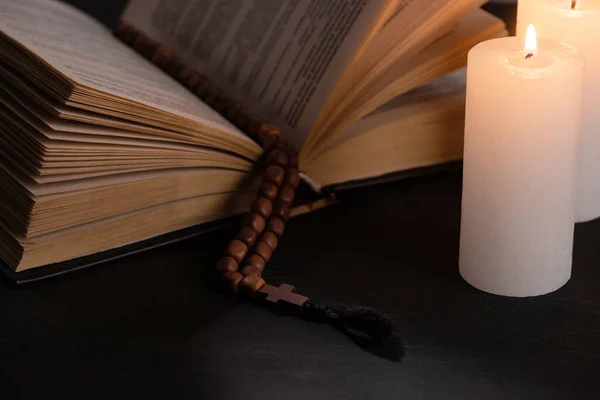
521 132
577 22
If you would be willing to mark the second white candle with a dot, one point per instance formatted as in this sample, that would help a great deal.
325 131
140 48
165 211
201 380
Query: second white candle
579 27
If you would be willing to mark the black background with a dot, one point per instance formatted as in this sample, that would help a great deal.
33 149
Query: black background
150 325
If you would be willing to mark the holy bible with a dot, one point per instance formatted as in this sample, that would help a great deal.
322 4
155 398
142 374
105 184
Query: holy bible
104 154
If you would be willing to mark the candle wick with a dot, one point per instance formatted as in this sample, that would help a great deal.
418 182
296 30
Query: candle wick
573 4
528 56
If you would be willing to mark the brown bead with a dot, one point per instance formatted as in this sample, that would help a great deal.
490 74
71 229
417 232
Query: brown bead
276 225
270 239
211 97
254 124
275 174
267 130
231 281
289 148
262 249
126 32
277 157
283 145
293 159
227 264
161 54
256 261
185 74
205 87
247 234
175 66
251 284
270 143
237 249
201 89
145 46
251 270
268 190
241 120
222 105
286 193
292 177
263 207
234 110
255 221
193 81
281 210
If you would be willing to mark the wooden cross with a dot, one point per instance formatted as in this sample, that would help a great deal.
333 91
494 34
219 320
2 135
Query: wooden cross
284 293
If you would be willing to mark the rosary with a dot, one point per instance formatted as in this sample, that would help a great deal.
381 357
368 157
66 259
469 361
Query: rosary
240 268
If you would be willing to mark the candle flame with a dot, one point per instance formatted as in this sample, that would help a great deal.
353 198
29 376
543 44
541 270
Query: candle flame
531 42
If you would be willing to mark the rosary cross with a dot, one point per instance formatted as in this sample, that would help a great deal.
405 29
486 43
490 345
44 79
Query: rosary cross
284 293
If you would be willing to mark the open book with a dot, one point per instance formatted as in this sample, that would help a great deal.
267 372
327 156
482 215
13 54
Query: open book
101 149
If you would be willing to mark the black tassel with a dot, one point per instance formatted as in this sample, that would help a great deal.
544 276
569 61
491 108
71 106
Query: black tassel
365 326
368 328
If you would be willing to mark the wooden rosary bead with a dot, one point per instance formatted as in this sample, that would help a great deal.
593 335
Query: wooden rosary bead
251 284
248 235
200 89
161 54
293 159
255 221
276 225
177 66
267 130
231 282
290 149
211 97
222 105
194 80
283 145
281 210
263 250
205 87
254 125
270 239
256 261
185 74
242 121
227 264
237 249
286 193
145 46
292 177
126 32
275 174
263 207
270 143
232 113
268 190
277 157
251 270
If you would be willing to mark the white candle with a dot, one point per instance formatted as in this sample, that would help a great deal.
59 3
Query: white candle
580 27
521 131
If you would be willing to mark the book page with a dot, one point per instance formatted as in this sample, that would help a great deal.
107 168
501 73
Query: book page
86 52
275 56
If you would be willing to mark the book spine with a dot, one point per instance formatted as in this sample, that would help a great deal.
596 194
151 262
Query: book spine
198 83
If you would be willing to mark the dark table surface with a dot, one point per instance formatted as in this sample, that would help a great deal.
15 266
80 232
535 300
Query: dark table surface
151 326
